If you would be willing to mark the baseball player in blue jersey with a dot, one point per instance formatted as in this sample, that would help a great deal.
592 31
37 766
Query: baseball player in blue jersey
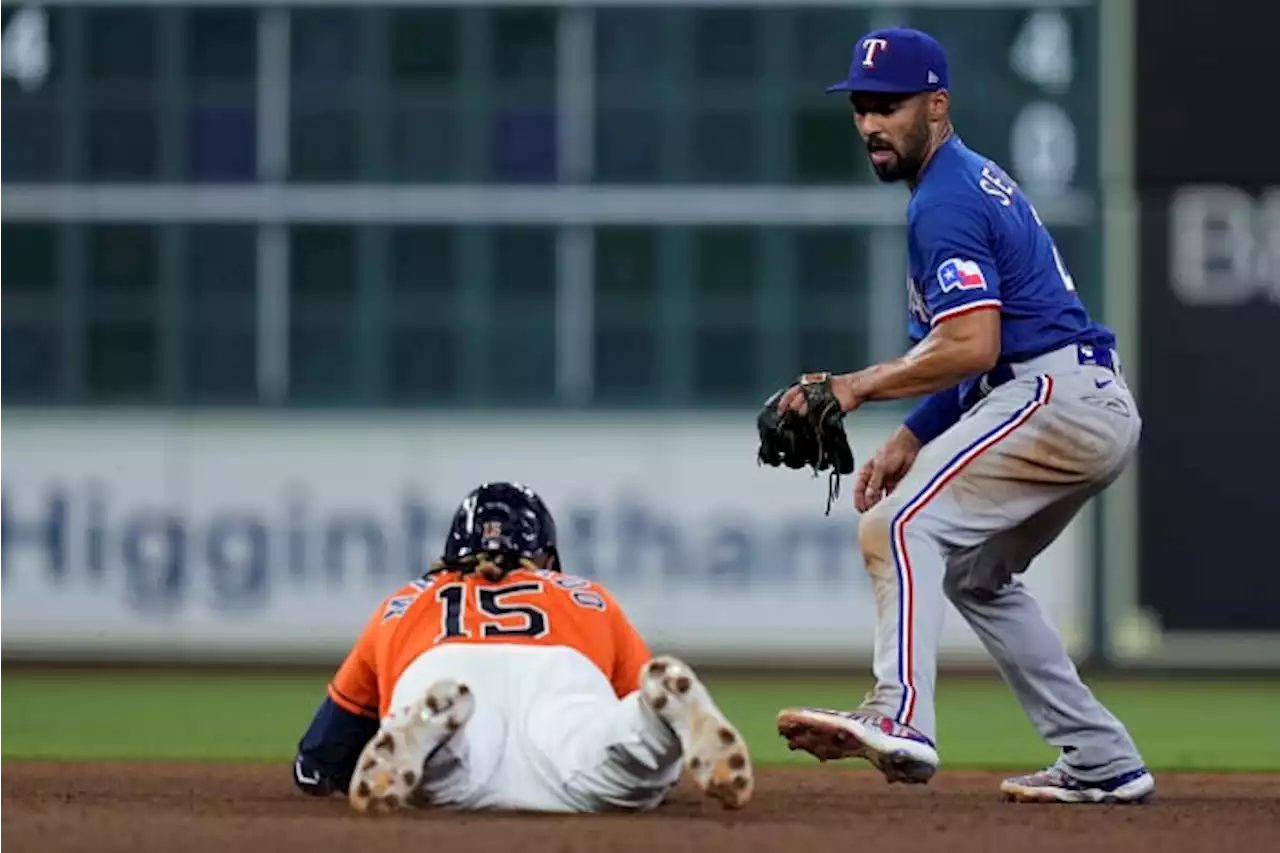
1025 416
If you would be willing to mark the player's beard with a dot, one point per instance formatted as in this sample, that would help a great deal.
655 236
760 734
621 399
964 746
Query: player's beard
908 158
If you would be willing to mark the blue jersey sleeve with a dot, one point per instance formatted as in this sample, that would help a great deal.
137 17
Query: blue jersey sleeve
959 262
934 415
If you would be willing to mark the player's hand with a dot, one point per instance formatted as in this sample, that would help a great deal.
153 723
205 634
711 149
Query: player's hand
842 387
882 472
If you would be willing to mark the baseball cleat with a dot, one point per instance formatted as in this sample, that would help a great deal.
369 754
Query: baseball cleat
391 765
1055 785
715 753
899 752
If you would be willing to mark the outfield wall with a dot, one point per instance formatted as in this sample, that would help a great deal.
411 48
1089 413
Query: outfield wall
261 538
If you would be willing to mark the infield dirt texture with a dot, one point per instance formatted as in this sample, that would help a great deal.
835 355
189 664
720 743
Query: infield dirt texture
193 808
188 761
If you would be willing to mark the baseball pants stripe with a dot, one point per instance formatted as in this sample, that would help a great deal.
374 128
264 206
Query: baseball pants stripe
898 541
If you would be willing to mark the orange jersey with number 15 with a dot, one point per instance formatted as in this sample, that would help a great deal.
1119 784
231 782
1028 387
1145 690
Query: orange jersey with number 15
525 607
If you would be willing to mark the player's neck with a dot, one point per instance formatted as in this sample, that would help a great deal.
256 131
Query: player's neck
940 139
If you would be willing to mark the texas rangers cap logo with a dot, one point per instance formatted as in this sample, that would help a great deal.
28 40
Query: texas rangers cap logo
870 47
959 274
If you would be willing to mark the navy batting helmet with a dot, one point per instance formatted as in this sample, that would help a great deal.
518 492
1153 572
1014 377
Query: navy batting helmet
501 522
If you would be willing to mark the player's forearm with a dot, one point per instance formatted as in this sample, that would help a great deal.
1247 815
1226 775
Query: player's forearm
329 748
932 365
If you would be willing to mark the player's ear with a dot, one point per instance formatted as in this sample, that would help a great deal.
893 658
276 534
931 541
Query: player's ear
939 104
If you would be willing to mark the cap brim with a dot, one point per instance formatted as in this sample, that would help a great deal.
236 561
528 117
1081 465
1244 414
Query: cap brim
880 86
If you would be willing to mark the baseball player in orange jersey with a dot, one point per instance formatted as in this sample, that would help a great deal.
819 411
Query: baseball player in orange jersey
498 682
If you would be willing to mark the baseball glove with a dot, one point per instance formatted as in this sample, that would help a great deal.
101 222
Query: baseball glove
816 438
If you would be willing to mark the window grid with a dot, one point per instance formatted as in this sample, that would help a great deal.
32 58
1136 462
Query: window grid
761 88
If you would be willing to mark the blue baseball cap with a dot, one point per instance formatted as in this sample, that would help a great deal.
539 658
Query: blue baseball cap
898 59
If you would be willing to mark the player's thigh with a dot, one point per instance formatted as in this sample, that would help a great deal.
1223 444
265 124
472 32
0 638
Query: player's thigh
599 751
618 755
985 568
1010 457
944 484
570 723
481 668
488 672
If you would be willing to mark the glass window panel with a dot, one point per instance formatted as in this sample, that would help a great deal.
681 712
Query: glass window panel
123 143
33 131
221 346
725 263
426 143
524 145
321 361
825 145
222 363
523 362
627 362
628 145
122 359
222 44
221 273
724 358
725 43
523 365
222 143
725 147
525 269
323 145
322 283
424 273
424 44
422 363
32 369
424 263
29 263
322 267
323 44
122 260
724 337
830 261
822 43
524 44
121 43
634 43
626 263
824 347
627 348
830 276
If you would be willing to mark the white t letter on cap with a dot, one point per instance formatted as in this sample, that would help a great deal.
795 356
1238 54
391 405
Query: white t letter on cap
871 46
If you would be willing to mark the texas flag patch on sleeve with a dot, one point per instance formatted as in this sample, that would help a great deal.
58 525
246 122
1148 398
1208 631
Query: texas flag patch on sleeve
959 274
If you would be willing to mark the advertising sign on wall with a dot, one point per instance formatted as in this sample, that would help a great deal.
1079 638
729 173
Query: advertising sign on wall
274 537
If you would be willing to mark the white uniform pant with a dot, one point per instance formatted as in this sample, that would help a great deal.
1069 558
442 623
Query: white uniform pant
548 734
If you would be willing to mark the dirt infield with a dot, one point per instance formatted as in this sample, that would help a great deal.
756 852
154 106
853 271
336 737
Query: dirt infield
175 808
